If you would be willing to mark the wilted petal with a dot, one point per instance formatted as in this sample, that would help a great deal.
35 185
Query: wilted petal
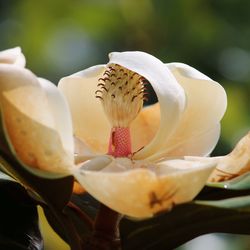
12 56
89 121
170 94
29 121
235 164
140 189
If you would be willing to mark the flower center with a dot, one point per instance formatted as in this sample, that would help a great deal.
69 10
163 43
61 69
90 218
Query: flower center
122 93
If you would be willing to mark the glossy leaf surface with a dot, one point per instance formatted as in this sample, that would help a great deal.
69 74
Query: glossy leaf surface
19 227
185 222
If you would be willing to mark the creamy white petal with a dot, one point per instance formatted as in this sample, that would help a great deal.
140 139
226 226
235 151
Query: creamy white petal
198 145
82 151
140 189
61 114
89 121
145 126
170 94
13 56
200 89
29 122
206 105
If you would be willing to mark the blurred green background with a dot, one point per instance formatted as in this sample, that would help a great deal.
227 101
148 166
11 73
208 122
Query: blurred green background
61 37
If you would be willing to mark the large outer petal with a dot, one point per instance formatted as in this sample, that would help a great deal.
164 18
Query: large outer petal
61 114
170 94
199 129
13 56
29 122
143 192
89 121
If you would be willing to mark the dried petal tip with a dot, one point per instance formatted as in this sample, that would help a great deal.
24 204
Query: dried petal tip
122 93
234 164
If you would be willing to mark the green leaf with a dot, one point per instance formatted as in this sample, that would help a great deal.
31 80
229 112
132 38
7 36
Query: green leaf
213 193
19 228
238 183
81 212
215 210
237 202
183 223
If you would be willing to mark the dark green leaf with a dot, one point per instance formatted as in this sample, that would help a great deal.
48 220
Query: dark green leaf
215 211
81 212
19 227
183 223
212 193
236 202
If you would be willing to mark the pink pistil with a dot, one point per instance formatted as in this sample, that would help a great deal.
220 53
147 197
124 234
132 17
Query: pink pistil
119 142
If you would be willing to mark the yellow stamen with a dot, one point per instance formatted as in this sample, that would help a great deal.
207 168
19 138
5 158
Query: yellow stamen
122 92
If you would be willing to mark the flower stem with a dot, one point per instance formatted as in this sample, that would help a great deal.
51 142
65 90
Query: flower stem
106 235
88 221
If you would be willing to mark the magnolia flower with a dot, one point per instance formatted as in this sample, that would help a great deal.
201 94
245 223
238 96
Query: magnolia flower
142 170
129 157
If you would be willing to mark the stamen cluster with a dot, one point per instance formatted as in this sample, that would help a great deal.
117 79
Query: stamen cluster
122 93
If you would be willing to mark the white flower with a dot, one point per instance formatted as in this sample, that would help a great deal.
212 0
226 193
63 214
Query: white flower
153 174
146 169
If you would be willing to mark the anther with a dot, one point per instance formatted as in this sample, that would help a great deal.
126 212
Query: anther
122 94
100 84
111 68
104 79
99 97
98 91
107 73
103 87
133 98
